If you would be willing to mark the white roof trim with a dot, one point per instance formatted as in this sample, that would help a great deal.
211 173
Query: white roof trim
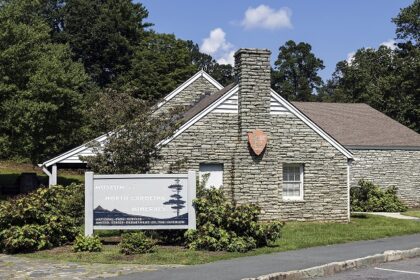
188 82
311 124
72 152
282 101
199 116
101 138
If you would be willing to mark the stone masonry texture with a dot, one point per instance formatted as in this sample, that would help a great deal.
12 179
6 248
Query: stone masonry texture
191 94
214 139
222 138
399 168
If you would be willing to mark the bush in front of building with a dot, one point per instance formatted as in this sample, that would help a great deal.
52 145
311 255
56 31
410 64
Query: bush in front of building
368 197
87 244
136 243
223 226
43 219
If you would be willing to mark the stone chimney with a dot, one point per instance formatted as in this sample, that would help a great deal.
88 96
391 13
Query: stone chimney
252 67
254 179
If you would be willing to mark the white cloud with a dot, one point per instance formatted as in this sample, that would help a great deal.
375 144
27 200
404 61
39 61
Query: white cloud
217 46
390 44
350 57
215 42
265 17
227 58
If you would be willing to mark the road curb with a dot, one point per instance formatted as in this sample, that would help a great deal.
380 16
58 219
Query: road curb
336 267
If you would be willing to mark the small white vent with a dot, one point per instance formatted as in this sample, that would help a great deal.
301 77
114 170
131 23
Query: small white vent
277 108
230 105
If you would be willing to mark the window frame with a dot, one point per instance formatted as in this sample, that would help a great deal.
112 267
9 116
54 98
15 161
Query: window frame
201 173
301 173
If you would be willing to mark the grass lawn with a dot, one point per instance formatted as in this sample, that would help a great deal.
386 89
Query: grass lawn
296 235
412 212
9 171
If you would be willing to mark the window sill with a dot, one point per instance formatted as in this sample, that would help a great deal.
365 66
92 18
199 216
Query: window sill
291 200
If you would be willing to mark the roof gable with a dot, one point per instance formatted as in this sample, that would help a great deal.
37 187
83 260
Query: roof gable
188 82
84 149
73 155
280 105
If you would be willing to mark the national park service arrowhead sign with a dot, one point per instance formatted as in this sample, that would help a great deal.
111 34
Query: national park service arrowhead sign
257 139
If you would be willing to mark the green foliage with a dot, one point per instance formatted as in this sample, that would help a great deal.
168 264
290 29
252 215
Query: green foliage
41 88
133 145
87 244
222 226
136 243
368 197
223 73
408 23
295 75
160 64
42 219
103 35
385 79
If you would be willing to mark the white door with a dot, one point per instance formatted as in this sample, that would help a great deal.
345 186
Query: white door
215 171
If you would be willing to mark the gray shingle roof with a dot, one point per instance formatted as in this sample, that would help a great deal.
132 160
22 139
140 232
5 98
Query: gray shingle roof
205 102
359 125
351 124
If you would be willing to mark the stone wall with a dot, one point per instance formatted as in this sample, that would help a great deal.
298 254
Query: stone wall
255 175
248 178
400 168
191 94
214 139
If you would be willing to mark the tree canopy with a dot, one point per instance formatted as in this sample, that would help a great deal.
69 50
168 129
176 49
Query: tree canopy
59 58
295 75
386 79
41 87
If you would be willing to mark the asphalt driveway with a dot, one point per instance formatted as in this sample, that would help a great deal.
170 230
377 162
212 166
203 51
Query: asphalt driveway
285 261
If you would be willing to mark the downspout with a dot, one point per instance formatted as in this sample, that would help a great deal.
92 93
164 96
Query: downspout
349 161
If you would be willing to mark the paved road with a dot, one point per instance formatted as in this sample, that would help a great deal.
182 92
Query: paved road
239 268
401 270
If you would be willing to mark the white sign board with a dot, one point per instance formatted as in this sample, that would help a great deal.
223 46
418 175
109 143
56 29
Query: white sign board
139 201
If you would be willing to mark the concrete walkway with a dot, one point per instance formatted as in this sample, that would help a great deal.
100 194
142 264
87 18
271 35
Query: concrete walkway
255 266
12 267
395 215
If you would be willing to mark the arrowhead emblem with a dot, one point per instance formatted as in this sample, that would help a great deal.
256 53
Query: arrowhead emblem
257 140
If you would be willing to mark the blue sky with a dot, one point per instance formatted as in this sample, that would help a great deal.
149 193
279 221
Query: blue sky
334 28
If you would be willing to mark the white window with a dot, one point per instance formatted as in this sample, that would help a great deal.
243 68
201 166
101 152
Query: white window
215 171
293 181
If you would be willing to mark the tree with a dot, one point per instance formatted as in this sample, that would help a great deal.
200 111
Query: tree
41 88
295 75
223 73
132 146
408 24
103 35
386 79
161 62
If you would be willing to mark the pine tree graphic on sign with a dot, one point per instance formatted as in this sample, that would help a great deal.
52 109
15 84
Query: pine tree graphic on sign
176 200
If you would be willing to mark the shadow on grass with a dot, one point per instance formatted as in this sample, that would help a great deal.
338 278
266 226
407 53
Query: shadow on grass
359 215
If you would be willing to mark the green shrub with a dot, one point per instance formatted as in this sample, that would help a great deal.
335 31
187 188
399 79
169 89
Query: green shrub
136 243
87 244
222 226
25 238
368 197
241 244
42 219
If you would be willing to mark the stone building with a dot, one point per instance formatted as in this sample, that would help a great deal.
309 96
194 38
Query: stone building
296 160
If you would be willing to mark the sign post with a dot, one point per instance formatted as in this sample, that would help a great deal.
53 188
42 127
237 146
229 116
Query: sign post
139 201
